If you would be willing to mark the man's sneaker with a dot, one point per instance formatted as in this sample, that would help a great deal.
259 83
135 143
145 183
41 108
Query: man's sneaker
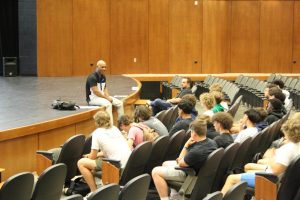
87 197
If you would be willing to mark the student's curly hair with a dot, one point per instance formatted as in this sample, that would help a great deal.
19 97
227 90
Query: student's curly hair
142 112
124 120
215 87
208 100
225 119
102 120
191 98
218 96
291 129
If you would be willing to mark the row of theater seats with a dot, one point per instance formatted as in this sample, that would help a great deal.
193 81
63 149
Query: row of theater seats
253 89
229 89
290 84
50 183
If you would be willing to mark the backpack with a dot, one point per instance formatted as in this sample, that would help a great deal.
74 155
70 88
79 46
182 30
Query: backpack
77 186
148 133
64 105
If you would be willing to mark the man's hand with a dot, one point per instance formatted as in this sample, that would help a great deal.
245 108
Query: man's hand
189 143
109 99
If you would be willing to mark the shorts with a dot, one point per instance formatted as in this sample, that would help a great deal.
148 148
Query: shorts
249 178
172 174
98 164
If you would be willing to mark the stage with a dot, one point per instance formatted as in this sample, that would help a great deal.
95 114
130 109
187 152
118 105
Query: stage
27 100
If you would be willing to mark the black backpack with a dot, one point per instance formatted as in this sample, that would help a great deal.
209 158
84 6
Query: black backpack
77 186
64 105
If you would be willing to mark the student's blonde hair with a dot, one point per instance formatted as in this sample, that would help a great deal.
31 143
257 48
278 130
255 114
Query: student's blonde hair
102 120
208 100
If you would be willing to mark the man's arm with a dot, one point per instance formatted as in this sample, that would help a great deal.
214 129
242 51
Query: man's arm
174 100
180 159
92 154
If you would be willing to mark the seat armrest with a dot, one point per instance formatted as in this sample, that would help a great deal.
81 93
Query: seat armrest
116 163
271 177
190 171
47 154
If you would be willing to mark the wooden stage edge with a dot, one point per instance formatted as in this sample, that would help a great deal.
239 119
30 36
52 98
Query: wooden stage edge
18 146
201 77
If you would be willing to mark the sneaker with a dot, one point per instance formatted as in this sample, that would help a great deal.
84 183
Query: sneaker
87 197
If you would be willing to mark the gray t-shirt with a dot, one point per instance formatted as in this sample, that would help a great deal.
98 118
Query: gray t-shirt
157 125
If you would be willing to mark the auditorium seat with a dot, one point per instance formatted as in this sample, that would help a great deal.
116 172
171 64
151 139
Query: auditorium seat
288 187
17 187
198 185
70 153
50 183
107 192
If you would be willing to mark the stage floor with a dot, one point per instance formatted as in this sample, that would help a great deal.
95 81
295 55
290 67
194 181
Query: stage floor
27 100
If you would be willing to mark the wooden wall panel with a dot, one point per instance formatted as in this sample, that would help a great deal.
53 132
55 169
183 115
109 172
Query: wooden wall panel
129 36
296 42
91 35
245 36
276 36
216 33
185 36
56 137
86 127
54 35
18 155
158 36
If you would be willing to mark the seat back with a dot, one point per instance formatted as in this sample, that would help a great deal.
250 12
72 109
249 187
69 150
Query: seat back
159 148
73 197
171 117
224 167
253 148
206 175
214 196
174 147
110 191
87 145
239 160
236 192
70 153
234 108
50 183
137 162
290 181
17 187
136 188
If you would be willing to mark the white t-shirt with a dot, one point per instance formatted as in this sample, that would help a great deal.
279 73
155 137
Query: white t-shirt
112 143
209 113
285 154
244 134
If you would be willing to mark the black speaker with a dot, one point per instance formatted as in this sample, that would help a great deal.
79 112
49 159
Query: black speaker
10 66
150 90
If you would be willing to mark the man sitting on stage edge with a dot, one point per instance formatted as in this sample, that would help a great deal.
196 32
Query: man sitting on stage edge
159 104
97 93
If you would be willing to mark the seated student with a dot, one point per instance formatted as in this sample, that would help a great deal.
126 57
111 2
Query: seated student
280 85
250 118
143 114
277 93
223 122
276 161
194 154
192 99
217 87
159 104
136 132
218 98
274 111
262 124
207 101
184 112
107 142
211 131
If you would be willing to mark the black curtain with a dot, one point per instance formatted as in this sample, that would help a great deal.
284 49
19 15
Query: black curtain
8 30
